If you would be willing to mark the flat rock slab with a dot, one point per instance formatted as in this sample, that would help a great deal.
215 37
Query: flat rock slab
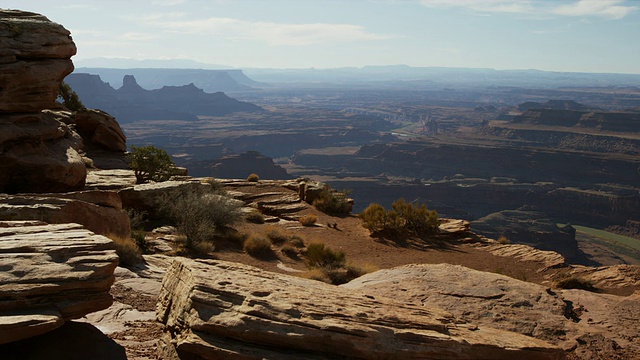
476 296
50 274
215 309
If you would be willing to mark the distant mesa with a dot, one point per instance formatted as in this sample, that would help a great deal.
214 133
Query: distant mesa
131 102
239 166
153 78
555 105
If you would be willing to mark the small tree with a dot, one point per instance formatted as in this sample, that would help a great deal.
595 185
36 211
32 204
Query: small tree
150 163
69 98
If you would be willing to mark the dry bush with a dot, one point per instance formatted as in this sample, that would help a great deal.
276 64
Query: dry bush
289 250
320 256
296 241
503 240
275 235
255 217
308 220
200 214
127 250
253 178
258 246
331 201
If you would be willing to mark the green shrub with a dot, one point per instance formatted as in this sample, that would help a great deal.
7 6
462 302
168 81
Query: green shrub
331 201
255 217
253 178
69 98
403 218
320 256
308 220
258 245
200 214
150 163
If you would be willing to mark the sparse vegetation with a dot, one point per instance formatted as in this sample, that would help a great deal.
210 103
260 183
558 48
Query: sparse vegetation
255 217
150 163
289 250
253 178
503 240
127 250
320 256
275 235
403 218
69 98
331 201
258 245
308 220
200 214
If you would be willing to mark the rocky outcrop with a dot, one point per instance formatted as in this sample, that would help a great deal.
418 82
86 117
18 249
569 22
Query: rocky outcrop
39 153
34 59
50 274
475 296
530 227
98 211
214 309
570 319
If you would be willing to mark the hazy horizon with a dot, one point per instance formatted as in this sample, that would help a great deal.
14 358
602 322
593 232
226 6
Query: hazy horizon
586 36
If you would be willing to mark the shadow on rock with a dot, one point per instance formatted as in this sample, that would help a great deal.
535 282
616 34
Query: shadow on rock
72 341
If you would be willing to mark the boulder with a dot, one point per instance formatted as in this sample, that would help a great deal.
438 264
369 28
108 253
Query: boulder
35 57
39 154
98 211
215 309
100 129
479 297
50 274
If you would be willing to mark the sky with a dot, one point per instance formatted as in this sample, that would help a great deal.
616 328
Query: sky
600 36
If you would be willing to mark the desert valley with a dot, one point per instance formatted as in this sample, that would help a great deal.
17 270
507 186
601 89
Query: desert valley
381 212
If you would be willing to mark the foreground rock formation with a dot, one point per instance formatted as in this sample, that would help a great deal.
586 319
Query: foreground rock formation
50 274
39 153
98 211
571 319
215 309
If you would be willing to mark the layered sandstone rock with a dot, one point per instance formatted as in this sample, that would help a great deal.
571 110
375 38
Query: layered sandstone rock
50 274
590 325
98 211
214 309
34 59
38 152
480 297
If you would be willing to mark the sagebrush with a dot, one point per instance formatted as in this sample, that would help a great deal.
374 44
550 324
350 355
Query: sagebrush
404 217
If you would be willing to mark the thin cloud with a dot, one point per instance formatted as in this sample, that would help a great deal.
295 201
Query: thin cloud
504 6
612 9
275 34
